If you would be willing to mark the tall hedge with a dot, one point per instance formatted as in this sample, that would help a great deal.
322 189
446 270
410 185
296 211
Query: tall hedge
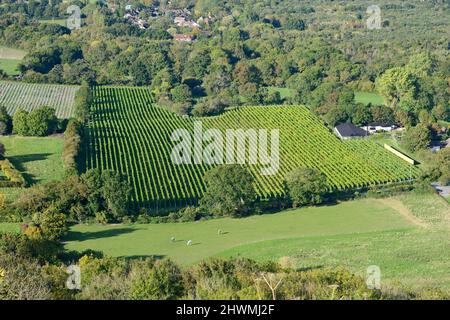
83 100
72 146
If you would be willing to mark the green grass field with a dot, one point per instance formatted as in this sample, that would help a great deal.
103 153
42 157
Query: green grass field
284 92
417 257
61 22
39 159
154 239
10 59
9 227
407 237
10 66
368 97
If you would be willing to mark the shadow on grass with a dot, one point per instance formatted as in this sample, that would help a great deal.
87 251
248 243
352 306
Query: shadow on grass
83 236
143 257
304 269
18 163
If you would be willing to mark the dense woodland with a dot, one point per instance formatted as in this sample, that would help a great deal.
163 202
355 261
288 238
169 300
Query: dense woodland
320 50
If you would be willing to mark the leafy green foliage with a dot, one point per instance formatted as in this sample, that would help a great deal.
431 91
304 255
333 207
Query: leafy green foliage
77 198
22 279
39 122
163 282
229 191
305 186
362 115
181 93
72 146
82 102
438 167
209 107
112 278
52 223
115 192
415 88
20 122
417 138
6 119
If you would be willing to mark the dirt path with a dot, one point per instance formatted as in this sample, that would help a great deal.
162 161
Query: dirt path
398 206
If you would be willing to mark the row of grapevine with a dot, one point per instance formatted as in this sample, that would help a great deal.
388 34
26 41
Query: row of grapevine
15 95
130 135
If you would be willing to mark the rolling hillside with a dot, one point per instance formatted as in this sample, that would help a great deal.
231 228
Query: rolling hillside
131 135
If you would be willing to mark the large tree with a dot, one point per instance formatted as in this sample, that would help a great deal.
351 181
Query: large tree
438 167
416 138
305 186
181 93
229 191
397 84
42 121
52 223
20 122
361 114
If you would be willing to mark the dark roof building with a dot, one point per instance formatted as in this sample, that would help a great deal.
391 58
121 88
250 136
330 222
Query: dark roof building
349 131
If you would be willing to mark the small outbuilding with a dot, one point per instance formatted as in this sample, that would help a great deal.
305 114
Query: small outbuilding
349 131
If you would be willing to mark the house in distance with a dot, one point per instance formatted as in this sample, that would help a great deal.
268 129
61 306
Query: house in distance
379 127
349 131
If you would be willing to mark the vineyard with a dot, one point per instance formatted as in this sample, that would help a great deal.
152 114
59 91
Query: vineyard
16 95
129 134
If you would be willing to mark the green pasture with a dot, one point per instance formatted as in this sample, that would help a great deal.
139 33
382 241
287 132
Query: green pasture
142 240
38 159
368 97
